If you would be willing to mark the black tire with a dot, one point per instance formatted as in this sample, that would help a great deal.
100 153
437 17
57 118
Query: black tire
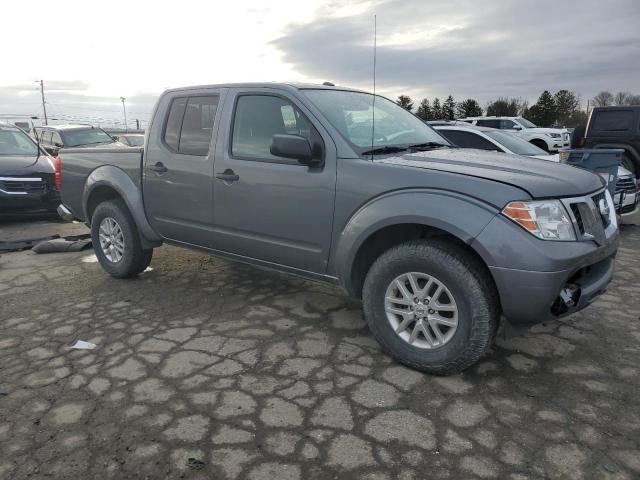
541 144
628 163
134 258
468 282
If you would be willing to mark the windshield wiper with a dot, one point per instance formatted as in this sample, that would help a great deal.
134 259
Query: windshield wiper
428 146
382 150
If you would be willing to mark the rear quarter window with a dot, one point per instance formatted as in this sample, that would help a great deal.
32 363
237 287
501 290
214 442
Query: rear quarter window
614 121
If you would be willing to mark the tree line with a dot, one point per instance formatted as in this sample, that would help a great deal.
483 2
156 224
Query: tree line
563 108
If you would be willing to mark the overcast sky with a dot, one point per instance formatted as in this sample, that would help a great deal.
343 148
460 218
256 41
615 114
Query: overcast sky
90 54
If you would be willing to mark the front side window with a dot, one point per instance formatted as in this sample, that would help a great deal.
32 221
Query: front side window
353 115
55 138
14 141
190 124
258 118
507 124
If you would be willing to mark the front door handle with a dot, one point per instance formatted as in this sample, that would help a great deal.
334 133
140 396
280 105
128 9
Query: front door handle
228 176
158 167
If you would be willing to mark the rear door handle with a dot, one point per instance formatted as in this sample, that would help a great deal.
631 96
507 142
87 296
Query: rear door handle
158 167
228 176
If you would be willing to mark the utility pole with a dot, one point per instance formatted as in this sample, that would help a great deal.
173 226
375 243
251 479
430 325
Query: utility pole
137 124
44 107
124 112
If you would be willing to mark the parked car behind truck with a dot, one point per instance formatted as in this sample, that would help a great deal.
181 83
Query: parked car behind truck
29 178
437 241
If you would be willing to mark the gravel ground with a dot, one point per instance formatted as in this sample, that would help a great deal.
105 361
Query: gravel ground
209 369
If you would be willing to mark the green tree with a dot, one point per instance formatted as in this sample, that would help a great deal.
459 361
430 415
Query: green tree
436 109
449 108
544 112
424 110
567 103
469 108
405 102
505 107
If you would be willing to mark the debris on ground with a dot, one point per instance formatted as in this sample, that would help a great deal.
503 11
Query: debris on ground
82 345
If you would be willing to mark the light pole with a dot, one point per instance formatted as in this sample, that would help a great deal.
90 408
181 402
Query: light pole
44 108
124 112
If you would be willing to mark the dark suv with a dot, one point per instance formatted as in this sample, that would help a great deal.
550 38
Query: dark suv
54 137
616 127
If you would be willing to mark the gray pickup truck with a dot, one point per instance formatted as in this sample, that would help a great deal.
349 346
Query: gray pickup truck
337 185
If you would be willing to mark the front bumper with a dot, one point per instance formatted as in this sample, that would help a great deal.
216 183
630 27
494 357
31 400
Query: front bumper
28 204
538 280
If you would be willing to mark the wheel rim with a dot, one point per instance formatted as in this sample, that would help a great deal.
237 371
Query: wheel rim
421 310
111 239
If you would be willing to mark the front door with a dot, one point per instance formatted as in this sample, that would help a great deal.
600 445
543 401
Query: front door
268 207
178 168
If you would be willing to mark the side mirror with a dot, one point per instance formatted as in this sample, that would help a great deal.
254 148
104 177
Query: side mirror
58 145
293 146
516 127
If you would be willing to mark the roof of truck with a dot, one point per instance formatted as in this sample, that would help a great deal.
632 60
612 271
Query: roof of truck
286 85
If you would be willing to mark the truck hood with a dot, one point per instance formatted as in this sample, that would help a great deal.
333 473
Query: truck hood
12 163
539 178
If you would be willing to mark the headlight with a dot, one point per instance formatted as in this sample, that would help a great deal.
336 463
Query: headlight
546 219
554 135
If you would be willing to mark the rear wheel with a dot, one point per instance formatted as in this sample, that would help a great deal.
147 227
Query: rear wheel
541 144
431 306
116 241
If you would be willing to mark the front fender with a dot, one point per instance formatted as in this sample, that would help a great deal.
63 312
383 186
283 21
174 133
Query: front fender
118 180
461 216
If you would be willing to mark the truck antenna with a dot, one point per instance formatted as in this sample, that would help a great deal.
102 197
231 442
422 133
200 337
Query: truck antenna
373 104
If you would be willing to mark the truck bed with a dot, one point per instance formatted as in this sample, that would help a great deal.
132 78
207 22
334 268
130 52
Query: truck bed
79 163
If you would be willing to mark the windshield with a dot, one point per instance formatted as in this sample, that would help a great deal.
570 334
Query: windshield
135 140
14 141
515 144
75 138
351 113
526 123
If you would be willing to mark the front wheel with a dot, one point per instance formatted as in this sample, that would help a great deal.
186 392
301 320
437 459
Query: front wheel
116 241
431 305
541 144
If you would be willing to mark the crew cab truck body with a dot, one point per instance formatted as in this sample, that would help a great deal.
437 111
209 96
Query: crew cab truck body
439 242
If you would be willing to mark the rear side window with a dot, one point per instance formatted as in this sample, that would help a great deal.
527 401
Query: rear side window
488 123
613 121
258 118
190 124
468 140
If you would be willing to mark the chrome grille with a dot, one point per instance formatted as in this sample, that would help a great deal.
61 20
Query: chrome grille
592 216
23 186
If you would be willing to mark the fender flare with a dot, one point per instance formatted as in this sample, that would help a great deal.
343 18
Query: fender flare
459 215
116 179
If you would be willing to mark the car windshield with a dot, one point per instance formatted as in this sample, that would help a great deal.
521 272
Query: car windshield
515 144
93 136
14 141
526 123
135 140
352 114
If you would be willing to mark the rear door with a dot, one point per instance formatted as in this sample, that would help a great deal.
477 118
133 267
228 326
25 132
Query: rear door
178 167
267 207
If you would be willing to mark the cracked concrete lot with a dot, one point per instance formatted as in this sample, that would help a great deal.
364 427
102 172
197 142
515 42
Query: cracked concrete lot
206 369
